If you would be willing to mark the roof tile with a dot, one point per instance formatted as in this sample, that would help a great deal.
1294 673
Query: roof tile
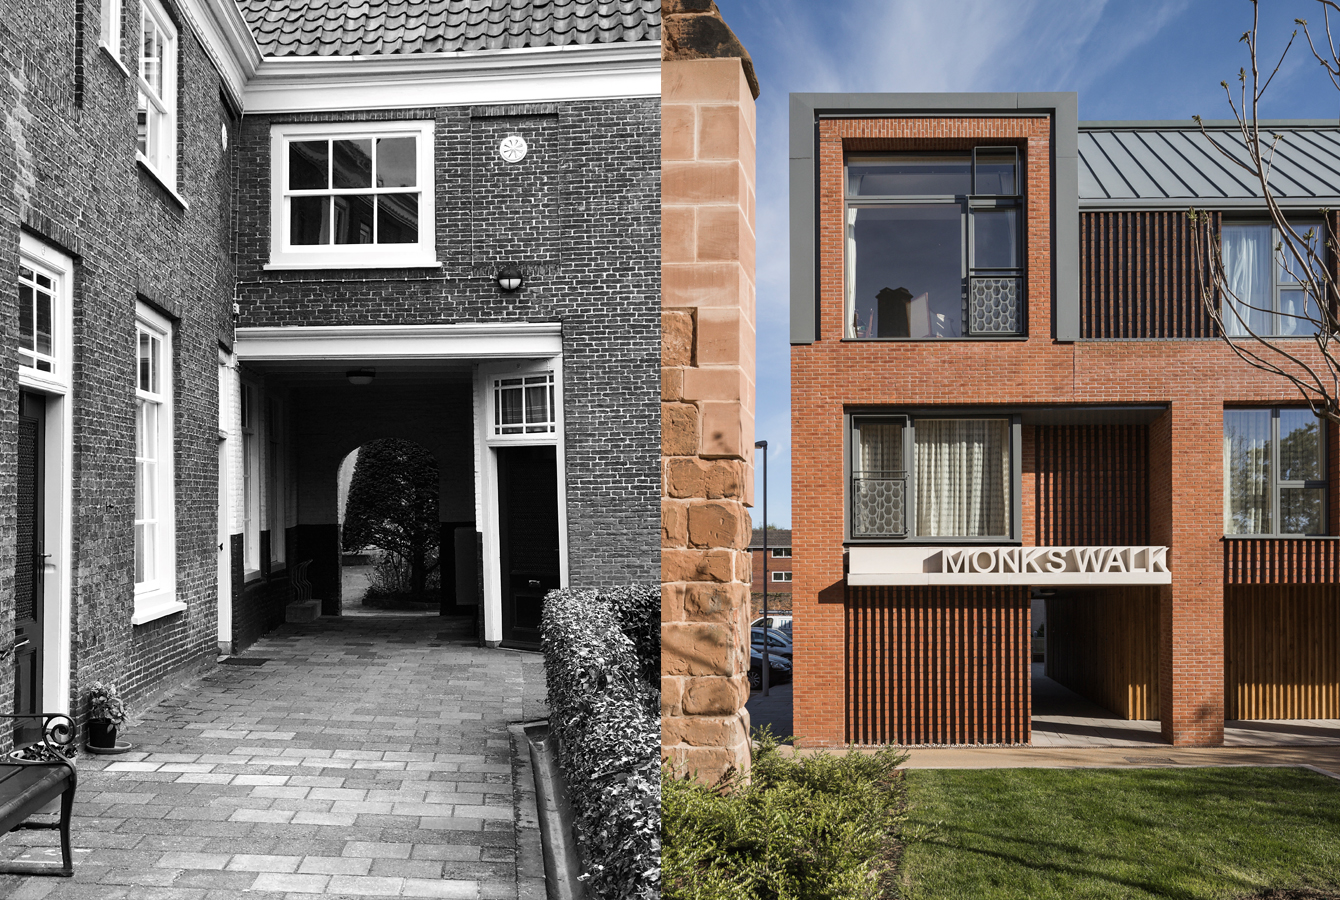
371 27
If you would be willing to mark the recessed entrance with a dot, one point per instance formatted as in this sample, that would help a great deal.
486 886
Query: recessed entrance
29 580
528 538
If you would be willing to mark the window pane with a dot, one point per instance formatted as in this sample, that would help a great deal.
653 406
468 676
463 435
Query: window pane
1289 268
1247 471
963 477
1300 510
1300 446
509 407
352 163
879 447
995 172
397 218
353 219
396 162
142 124
537 404
44 340
909 176
309 220
1247 253
905 271
151 54
879 480
146 374
27 313
142 564
996 238
1298 315
308 162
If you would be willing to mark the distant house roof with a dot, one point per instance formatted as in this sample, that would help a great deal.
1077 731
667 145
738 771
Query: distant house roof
777 537
381 27
1172 163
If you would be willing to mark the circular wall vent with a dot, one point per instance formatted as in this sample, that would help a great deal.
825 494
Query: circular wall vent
513 148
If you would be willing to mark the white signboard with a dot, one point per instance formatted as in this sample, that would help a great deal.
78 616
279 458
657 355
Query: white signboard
1008 565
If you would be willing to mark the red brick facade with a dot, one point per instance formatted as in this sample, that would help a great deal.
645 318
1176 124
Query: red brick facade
1180 461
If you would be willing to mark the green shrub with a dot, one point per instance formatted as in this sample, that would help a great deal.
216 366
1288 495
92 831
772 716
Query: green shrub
606 717
821 827
638 608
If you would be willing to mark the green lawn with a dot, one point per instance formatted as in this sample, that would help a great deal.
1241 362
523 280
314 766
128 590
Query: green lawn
1129 833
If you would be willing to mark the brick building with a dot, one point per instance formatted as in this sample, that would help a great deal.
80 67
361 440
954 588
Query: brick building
1004 386
244 240
778 555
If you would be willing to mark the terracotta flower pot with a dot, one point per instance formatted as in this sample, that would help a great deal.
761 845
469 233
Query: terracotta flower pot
102 734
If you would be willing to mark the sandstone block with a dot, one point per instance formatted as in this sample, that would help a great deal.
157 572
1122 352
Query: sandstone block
679 429
716 383
672 384
674 524
685 477
702 731
704 284
698 648
697 565
724 234
704 79
676 338
707 764
678 127
727 429
672 690
707 602
718 182
713 696
679 239
672 603
716 523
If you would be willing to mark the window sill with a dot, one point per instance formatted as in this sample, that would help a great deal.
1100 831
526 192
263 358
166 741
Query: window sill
417 262
157 176
111 54
977 338
251 576
156 606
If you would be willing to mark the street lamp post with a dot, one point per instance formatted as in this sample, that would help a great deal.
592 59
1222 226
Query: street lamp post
767 669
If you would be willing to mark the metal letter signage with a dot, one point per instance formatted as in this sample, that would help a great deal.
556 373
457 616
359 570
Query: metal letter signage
1008 565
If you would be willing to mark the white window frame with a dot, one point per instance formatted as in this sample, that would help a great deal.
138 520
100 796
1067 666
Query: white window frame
109 37
780 552
156 596
780 576
248 413
160 154
54 268
284 255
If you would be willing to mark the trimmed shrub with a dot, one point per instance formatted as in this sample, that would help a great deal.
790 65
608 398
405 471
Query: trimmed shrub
820 827
606 718
638 608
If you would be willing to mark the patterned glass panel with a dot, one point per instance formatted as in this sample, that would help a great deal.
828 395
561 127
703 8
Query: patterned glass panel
994 306
878 505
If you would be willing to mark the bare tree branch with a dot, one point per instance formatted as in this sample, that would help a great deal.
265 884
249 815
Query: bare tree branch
1281 341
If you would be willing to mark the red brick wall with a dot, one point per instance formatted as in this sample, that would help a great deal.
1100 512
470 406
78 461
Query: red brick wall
775 564
1195 378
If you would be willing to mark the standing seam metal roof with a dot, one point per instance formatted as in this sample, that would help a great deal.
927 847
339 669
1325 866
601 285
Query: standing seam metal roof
1151 163
380 27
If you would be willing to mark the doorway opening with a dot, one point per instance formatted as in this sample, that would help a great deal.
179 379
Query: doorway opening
391 549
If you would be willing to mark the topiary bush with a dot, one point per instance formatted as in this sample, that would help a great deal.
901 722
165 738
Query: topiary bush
822 827
605 713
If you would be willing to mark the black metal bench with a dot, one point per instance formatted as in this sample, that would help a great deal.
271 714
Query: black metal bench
27 787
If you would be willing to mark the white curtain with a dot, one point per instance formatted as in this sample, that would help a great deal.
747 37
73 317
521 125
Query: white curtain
1247 476
851 275
1247 263
881 447
963 477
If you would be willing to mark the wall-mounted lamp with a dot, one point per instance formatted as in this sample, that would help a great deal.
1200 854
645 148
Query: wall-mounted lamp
509 278
361 376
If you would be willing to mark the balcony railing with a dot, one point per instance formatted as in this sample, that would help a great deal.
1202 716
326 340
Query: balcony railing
995 305
878 504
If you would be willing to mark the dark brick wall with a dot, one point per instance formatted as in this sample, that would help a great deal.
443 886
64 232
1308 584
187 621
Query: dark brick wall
68 175
582 213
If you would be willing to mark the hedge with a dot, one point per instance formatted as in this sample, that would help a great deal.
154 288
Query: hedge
604 709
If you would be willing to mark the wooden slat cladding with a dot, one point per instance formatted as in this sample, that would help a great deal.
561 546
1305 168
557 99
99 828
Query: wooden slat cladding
938 665
1104 645
1138 276
1282 651
1282 561
1092 485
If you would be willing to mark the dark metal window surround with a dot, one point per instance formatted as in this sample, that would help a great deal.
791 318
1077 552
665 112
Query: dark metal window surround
1274 472
934 245
887 457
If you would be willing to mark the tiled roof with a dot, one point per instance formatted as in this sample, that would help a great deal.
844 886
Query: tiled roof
380 27
1165 163
777 537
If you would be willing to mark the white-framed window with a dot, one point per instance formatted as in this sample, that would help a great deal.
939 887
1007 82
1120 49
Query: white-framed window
156 139
251 499
1274 472
781 576
933 478
1265 296
781 552
524 404
155 533
352 194
44 315
110 27
274 479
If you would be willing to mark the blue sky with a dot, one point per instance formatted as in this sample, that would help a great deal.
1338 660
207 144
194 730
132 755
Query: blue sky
1127 59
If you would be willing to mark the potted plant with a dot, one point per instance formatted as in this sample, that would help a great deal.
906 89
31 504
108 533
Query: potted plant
106 710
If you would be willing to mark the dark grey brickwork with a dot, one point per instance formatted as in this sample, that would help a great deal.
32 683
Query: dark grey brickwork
582 212
68 175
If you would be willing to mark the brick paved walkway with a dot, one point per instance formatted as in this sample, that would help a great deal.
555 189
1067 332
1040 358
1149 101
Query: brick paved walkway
365 757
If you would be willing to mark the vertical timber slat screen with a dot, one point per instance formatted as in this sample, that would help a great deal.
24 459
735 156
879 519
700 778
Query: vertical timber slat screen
1281 561
1092 485
1138 278
1282 651
938 665
1104 645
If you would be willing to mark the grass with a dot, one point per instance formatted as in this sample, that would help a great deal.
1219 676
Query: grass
1192 834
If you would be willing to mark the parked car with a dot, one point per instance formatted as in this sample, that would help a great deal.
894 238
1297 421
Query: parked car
779 669
779 642
774 621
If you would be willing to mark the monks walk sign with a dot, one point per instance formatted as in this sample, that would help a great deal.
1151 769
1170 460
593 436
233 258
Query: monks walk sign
1007 565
